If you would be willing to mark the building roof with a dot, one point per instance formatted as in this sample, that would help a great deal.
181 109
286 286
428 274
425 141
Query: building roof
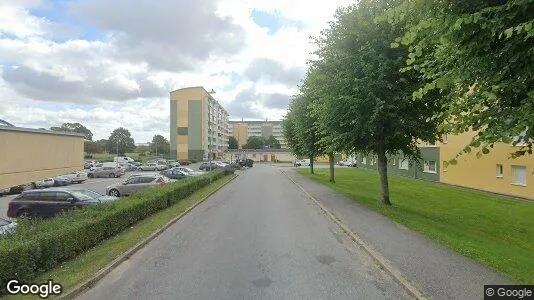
43 131
200 87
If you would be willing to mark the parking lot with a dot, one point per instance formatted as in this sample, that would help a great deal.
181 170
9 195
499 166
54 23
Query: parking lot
96 184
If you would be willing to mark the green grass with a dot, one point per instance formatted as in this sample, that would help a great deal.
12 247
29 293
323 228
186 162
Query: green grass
86 265
497 231
106 157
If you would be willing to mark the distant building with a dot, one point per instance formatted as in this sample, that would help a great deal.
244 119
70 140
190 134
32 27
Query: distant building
242 130
142 144
199 125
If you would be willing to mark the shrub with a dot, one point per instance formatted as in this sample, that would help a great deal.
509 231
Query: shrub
38 246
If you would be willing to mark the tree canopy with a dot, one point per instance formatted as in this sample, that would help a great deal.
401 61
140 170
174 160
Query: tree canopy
120 141
232 143
74 127
255 142
160 145
478 55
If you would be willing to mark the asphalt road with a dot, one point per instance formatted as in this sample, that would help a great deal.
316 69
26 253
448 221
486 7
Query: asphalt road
96 184
258 237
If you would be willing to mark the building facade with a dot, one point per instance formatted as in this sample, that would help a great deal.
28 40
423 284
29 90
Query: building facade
199 126
242 130
28 155
495 172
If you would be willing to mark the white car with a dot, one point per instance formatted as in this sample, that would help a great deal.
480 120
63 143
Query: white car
4 191
77 177
189 171
149 167
6 226
49 182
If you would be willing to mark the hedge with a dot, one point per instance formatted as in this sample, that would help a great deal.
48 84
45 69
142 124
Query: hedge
40 245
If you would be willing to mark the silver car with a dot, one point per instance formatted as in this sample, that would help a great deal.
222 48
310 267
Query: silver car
136 183
149 167
105 172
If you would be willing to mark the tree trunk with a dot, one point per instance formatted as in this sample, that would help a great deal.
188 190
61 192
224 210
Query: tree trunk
383 173
311 165
331 162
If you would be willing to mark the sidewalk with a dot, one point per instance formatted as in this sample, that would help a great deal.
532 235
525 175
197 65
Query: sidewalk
437 271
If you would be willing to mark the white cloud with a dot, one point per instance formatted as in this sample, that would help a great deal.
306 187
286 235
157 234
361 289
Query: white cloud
123 79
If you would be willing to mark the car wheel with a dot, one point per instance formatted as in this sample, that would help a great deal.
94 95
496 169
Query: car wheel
24 213
111 175
114 193
91 175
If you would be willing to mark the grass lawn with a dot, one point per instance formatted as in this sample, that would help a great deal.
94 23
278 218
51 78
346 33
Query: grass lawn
497 231
86 265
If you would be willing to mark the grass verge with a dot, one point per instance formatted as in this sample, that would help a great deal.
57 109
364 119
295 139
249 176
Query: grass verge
84 266
497 231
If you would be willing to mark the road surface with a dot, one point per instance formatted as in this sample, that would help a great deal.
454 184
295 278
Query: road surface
256 238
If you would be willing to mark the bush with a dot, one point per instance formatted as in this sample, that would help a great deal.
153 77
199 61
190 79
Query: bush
38 246
88 156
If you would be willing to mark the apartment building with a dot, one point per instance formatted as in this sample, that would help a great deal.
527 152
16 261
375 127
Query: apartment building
199 126
242 130
494 172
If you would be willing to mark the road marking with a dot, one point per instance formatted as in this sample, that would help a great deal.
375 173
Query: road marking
375 255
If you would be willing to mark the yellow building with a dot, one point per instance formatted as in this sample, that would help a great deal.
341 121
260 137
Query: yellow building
495 172
29 155
240 133
199 125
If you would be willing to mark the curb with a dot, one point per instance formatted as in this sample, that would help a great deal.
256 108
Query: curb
376 256
82 287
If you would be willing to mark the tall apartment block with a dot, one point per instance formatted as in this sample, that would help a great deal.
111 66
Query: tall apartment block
199 126
242 130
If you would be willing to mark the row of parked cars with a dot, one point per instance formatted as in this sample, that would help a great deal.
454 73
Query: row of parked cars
61 180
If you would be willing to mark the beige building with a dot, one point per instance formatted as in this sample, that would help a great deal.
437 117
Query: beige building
29 155
242 130
199 125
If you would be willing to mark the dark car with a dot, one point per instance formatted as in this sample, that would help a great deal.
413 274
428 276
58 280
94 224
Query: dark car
50 202
174 173
208 166
184 163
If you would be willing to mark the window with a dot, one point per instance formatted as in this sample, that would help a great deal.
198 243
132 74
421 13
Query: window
430 166
146 179
61 196
404 164
519 175
499 171
364 160
182 130
132 180
431 144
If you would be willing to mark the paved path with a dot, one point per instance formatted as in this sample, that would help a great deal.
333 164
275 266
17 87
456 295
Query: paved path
435 270
257 238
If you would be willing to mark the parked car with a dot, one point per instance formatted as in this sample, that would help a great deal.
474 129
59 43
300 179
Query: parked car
136 183
190 171
62 180
209 166
48 203
89 164
48 182
302 162
105 172
77 177
122 159
4 192
174 173
184 163
21 188
149 167
7 226
347 163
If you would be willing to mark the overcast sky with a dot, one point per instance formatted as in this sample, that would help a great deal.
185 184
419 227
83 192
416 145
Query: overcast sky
107 63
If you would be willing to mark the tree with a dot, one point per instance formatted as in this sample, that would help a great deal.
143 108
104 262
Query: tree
142 149
160 145
92 147
370 107
120 141
102 145
255 142
478 56
75 127
232 143
300 130
273 143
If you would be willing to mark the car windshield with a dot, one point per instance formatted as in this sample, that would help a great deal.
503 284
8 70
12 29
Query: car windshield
85 195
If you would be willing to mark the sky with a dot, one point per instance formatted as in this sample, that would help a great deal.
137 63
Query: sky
107 64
